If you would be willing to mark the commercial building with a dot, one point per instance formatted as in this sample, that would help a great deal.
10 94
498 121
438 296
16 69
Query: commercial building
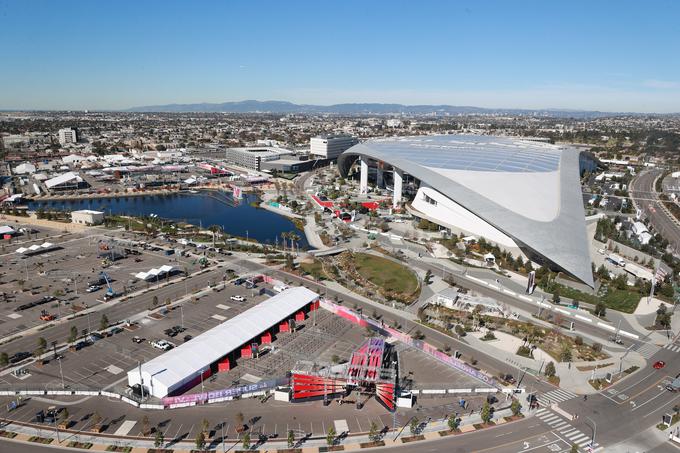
523 195
68 135
87 217
66 181
289 165
254 157
216 349
331 146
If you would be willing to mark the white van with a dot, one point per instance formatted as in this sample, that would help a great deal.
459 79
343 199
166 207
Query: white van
280 288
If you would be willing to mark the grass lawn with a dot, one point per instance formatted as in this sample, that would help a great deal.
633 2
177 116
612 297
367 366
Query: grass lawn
391 276
625 301
616 299
314 268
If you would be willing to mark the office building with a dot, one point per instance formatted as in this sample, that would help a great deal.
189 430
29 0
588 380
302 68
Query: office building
331 146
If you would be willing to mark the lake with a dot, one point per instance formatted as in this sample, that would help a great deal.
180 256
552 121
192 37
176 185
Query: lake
204 208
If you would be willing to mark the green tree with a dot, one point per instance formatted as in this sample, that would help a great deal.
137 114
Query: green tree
453 422
42 343
200 440
246 441
291 438
428 277
515 406
330 436
565 353
73 335
414 425
4 359
574 448
155 301
103 322
290 262
550 369
556 296
485 413
373 434
159 439
600 309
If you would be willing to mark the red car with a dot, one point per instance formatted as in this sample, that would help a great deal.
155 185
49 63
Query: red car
658 365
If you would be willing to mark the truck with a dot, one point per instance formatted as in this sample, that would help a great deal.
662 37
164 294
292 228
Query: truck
616 259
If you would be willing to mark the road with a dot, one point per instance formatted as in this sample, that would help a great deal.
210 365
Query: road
642 190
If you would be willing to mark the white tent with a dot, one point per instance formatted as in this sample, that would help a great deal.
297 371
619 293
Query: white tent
174 369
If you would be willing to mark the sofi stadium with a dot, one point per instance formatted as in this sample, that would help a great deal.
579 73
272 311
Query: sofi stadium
520 194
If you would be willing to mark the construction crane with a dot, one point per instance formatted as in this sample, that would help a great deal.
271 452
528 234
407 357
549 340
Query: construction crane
110 293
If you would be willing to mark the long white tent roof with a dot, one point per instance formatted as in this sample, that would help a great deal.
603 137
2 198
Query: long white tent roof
173 367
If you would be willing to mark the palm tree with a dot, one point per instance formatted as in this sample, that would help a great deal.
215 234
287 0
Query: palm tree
294 237
284 236
214 229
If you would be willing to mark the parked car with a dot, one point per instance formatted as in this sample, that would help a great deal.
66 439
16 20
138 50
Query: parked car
161 344
93 288
238 298
137 339
509 378
18 357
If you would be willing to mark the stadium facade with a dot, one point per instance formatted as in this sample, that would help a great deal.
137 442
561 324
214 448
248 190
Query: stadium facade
518 193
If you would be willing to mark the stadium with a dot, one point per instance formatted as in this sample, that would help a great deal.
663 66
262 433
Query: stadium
524 195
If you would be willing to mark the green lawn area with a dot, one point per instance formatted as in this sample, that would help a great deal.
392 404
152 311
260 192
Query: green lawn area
315 269
391 276
616 299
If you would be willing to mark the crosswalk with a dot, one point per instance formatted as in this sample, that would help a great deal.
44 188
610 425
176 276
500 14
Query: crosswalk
555 396
647 350
673 347
567 432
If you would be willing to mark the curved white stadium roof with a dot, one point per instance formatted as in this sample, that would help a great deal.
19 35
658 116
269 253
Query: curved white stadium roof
528 190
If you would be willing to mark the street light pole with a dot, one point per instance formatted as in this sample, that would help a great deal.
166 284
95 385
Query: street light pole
61 373
181 311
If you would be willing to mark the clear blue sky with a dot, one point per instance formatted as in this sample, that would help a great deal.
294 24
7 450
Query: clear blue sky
605 55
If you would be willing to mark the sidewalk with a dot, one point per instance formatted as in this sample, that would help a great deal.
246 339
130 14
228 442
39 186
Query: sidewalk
429 430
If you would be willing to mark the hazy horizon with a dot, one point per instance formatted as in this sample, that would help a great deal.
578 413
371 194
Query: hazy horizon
82 55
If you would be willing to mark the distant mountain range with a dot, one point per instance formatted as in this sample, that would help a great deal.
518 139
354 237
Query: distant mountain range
252 106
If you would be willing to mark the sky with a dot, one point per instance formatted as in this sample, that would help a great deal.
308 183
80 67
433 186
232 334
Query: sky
602 55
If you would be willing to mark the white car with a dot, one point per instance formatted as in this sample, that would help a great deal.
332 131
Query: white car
161 344
238 298
93 288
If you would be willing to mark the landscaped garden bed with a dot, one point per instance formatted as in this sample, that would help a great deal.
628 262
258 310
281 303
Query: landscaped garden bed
82 445
377 443
405 440
40 440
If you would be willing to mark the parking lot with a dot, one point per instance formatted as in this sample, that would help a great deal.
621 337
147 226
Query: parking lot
321 339
66 272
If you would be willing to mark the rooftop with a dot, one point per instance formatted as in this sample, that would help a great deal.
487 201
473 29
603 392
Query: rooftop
473 152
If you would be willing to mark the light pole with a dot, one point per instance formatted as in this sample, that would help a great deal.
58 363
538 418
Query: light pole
222 429
594 427
61 373
181 311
